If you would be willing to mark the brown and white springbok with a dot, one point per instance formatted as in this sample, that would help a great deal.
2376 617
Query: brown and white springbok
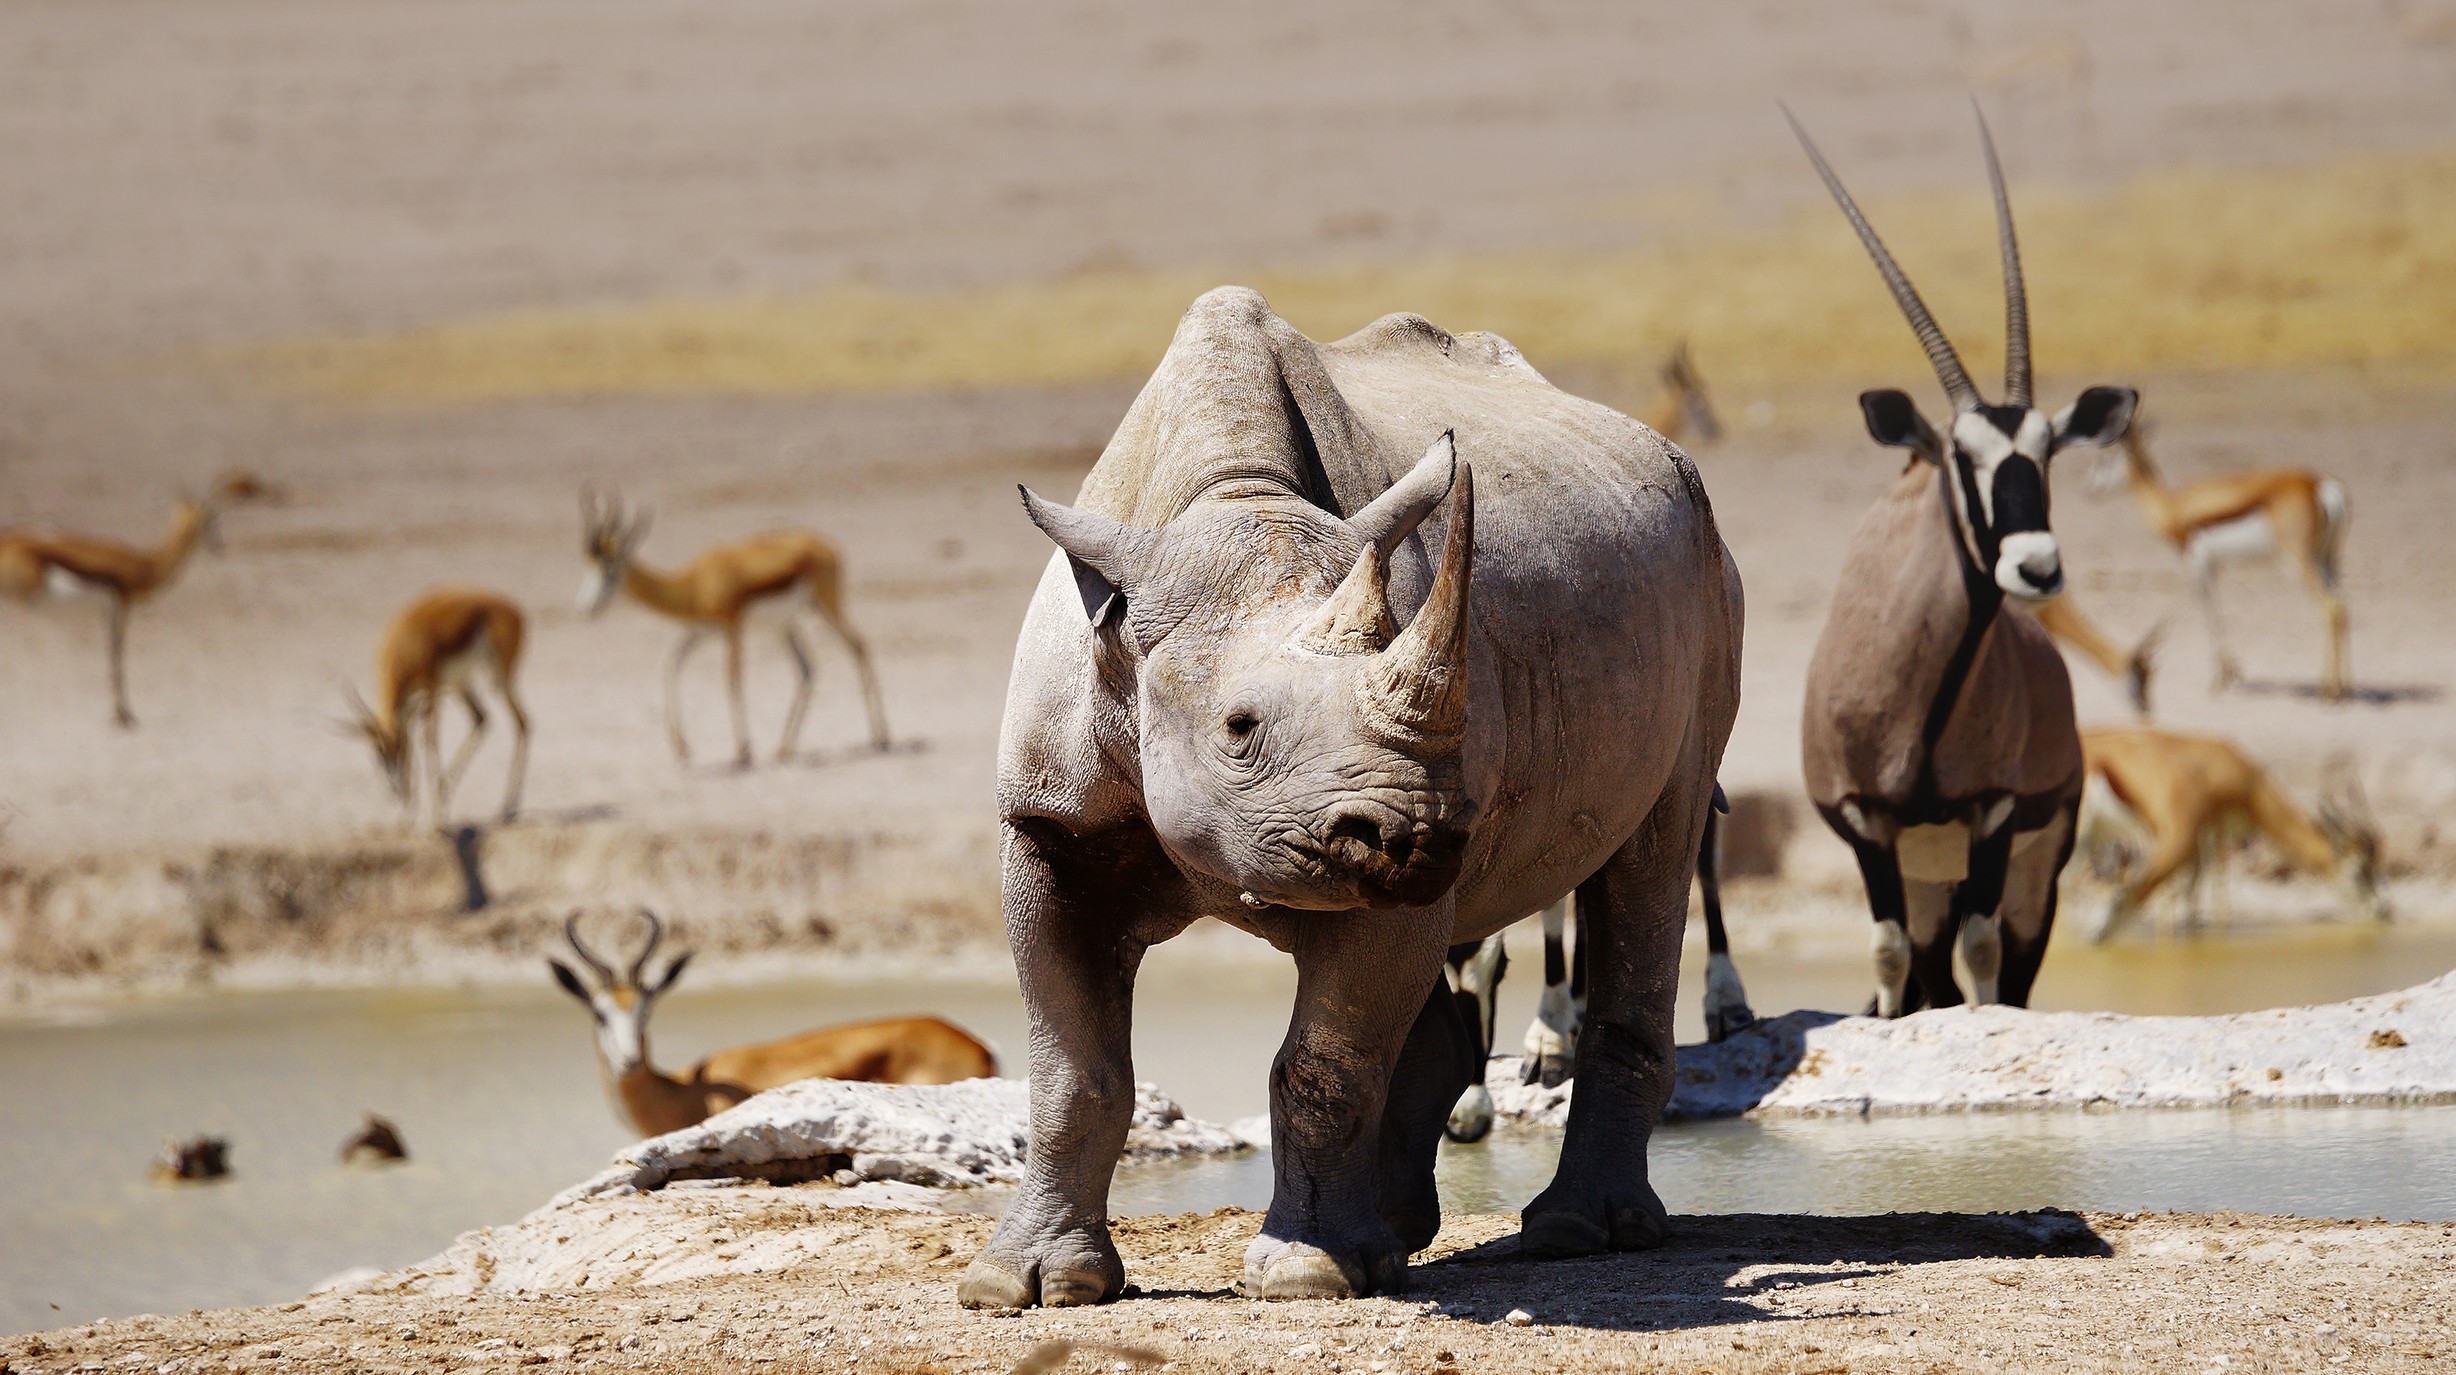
2131 667
443 644
2188 791
773 578
2294 515
1683 410
900 1050
46 563
1938 738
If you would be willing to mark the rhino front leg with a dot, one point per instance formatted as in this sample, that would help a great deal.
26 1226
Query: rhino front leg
1441 1058
1076 957
1360 990
1631 916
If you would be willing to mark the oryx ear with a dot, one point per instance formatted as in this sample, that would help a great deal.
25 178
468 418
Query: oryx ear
1894 421
1108 558
673 971
2100 416
571 983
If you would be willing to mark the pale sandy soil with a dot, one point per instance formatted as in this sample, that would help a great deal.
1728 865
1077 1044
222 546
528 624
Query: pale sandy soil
1906 1292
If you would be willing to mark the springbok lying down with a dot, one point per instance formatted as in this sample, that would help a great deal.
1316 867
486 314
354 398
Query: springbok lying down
1475 971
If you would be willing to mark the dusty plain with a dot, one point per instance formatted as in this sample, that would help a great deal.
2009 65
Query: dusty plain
210 203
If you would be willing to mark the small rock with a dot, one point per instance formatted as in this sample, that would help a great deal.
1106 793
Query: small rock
1519 1317
2387 1038
1304 1351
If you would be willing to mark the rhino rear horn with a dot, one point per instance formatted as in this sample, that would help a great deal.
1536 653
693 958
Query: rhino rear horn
1419 684
1107 557
1394 515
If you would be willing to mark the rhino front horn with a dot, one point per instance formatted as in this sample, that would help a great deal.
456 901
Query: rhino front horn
1418 686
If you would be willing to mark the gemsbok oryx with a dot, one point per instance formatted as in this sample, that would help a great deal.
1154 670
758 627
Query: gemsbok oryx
443 644
2293 515
2189 791
1938 738
897 1050
1475 971
45 563
773 578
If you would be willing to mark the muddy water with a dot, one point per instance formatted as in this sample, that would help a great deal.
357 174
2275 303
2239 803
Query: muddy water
497 1096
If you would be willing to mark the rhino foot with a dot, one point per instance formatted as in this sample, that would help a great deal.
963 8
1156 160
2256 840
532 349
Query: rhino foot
1277 1269
1562 1223
1066 1270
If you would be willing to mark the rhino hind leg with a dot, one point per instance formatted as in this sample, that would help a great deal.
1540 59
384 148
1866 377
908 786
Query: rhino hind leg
1325 1235
1435 1067
1631 916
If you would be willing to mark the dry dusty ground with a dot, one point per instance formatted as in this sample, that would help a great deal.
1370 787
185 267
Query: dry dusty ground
1904 1292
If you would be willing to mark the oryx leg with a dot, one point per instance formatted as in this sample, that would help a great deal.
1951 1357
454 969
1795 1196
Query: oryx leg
1726 1001
117 631
1631 915
1929 928
804 675
1975 902
673 691
1552 1038
1441 1057
1475 973
1073 908
1357 1007
733 696
2026 917
1889 940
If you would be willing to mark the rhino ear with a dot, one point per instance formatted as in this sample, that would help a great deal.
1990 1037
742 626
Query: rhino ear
1108 558
1394 515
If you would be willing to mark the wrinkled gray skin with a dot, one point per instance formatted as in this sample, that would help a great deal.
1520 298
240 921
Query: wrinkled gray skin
1214 712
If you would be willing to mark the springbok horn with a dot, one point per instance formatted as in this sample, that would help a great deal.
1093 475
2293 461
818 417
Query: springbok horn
656 937
1419 684
1356 618
571 933
1940 355
2016 295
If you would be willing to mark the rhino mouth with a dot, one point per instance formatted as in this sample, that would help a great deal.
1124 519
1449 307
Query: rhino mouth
1392 859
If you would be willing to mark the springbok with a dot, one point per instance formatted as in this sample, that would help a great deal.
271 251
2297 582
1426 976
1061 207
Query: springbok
2131 667
899 1050
1937 737
2187 791
1683 409
773 577
36 563
442 645
2294 515
1476 967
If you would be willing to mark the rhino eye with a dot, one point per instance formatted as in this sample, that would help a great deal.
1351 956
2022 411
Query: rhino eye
1242 723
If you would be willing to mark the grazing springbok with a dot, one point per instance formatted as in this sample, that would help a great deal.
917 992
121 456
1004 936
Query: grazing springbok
772 578
1475 971
1938 738
441 645
1683 410
2294 515
899 1050
2188 791
44 563
2131 667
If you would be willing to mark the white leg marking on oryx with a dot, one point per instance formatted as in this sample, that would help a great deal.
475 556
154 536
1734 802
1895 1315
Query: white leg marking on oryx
1479 978
1726 1000
1552 1039
1982 949
1891 947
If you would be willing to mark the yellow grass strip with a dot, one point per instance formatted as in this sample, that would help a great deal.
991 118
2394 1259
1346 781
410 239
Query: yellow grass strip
2349 263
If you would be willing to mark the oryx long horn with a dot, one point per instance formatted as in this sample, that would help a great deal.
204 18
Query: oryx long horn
1419 684
2016 294
1940 355
571 933
656 937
